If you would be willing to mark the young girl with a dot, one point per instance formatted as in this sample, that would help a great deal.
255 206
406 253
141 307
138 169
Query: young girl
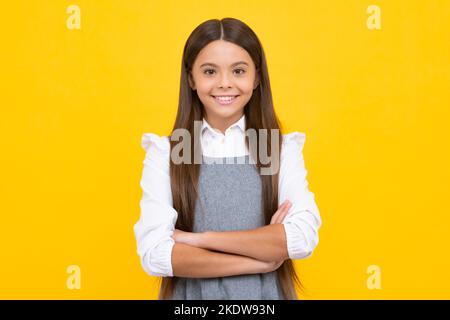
215 230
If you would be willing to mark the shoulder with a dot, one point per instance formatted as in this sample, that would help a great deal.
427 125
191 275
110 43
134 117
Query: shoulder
291 157
150 141
292 148
294 140
157 151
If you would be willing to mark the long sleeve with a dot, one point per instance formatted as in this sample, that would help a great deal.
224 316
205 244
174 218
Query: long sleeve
156 224
303 220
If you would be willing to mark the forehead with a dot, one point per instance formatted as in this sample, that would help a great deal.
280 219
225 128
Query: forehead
222 53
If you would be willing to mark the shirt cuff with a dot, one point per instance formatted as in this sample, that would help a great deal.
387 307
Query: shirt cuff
158 261
301 239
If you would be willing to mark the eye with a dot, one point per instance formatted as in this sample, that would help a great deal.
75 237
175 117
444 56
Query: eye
211 71
207 70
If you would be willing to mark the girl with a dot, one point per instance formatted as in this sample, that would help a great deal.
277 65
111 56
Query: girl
215 230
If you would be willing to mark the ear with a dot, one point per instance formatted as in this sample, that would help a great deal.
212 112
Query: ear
257 80
191 81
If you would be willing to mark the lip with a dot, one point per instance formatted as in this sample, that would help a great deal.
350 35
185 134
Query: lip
225 103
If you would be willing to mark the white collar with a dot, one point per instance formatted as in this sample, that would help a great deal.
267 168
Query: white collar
240 124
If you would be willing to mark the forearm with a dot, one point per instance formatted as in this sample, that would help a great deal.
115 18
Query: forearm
192 262
266 243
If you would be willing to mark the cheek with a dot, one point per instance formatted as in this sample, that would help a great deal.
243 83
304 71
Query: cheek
204 86
245 86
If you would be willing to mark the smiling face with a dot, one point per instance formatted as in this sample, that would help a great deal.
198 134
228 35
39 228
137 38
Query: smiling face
224 77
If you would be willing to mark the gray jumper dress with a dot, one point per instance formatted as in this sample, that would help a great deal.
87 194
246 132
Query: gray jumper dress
230 192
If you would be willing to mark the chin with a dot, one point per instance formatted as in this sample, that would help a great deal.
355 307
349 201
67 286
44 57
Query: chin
224 111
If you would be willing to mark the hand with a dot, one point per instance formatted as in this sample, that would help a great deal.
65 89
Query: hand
281 213
189 238
278 217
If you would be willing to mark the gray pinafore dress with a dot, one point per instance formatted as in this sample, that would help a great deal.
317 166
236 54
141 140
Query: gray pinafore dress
230 192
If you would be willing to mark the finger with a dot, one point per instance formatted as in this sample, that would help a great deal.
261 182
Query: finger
285 212
175 234
287 207
285 202
279 215
275 215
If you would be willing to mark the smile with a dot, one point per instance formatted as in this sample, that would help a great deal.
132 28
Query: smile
225 100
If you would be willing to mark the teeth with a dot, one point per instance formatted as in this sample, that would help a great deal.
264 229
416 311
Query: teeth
225 98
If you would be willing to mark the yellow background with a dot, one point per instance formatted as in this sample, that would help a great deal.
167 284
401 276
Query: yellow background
374 105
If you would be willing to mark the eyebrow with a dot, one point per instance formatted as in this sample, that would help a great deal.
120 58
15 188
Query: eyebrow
214 65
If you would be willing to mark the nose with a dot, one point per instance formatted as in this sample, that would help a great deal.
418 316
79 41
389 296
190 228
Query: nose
224 81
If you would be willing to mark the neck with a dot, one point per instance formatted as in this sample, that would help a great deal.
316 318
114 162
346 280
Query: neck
222 124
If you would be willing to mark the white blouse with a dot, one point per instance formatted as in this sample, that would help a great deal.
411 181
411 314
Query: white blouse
155 227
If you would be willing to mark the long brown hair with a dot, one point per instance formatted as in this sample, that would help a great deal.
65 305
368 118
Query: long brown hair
259 114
